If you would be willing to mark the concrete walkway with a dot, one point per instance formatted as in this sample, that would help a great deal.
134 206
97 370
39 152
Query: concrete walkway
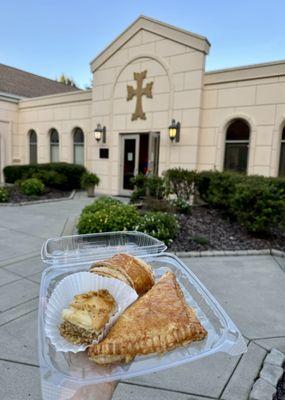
251 289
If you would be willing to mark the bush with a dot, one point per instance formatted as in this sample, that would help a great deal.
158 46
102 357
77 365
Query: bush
153 186
160 225
100 204
89 179
216 188
139 182
182 206
72 173
180 182
112 217
4 195
32 187
258 204
51 179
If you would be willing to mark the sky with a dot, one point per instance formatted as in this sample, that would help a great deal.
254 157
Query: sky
50 37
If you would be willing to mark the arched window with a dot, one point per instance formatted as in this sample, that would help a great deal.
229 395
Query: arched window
236 146
78 146
54 145
33 147
282 155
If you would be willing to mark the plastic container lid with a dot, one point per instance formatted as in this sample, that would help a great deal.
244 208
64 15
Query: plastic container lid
78 249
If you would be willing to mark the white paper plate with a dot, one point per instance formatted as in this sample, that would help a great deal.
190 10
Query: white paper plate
78 283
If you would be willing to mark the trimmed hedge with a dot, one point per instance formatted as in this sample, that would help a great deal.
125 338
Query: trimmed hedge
71 172
256 202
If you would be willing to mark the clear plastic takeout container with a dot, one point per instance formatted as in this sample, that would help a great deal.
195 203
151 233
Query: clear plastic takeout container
65 375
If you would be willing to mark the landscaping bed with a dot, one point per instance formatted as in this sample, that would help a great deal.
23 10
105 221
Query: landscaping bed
208 229
16 196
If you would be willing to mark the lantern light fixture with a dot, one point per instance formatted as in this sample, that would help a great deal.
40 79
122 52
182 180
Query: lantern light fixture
174 131
100 133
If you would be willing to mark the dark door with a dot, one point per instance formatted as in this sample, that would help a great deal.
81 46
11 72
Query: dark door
130 160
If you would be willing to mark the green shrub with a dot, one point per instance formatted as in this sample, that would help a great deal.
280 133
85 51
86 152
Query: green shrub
4 195
182 206
72 173
202 183
180 182
216 188
258 204
51 179
139 182
32 187
112 217
160 225
153 186
100 204
89 179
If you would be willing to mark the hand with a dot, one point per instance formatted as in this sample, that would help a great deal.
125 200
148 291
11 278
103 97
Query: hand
101 391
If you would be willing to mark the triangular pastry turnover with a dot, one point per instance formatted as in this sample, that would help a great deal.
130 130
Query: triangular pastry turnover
157 322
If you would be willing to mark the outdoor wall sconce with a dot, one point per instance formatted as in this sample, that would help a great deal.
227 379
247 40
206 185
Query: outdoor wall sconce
100 133
174 131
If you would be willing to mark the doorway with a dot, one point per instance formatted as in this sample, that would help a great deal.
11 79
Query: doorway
140 154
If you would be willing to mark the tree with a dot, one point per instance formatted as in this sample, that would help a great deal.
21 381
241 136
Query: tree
66 80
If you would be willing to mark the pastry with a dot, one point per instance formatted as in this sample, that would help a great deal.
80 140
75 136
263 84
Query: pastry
127 268
156 323
86 316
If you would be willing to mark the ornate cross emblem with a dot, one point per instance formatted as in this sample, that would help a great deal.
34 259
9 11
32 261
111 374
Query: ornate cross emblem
139 92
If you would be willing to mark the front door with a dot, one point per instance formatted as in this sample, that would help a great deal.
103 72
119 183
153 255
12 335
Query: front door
130 161
140 154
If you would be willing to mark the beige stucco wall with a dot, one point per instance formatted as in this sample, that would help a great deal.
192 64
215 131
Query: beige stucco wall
8 131
63 112
259 100
177 72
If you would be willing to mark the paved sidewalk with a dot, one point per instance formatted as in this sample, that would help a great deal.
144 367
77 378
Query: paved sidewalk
251 289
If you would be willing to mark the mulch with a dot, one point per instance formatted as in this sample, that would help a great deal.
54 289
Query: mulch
17 197
210 229
280 394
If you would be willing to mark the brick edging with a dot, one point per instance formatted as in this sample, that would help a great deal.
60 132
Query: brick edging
270 374
212 253
27 203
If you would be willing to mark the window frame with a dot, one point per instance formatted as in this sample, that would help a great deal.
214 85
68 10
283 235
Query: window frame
282 145
34 145
78 145
241 142
53 144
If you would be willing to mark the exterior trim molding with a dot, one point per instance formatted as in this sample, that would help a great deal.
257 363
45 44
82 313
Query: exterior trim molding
247 72
187 38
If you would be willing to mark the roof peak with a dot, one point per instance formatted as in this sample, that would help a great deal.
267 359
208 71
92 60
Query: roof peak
162 29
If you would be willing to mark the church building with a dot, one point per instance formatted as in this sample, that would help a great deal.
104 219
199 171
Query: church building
152 106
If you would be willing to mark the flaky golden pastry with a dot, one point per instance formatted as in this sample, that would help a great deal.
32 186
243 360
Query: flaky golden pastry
157 322
136 272
86 316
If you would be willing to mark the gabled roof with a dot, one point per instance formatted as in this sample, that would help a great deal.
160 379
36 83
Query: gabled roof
25 84
182 36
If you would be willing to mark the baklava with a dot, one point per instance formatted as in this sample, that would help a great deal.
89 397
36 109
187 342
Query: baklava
87 315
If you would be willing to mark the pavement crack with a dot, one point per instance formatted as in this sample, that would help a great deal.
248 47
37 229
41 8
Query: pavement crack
24 302
168 390
19 362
